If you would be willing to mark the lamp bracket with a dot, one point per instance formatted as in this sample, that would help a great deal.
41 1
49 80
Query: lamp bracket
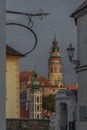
75 62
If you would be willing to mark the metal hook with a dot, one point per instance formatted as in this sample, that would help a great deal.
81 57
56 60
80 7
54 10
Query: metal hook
41 12
30 22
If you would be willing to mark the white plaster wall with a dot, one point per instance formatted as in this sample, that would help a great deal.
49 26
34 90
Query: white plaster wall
2 65
82 91
82 97
82 75
71 105
82 39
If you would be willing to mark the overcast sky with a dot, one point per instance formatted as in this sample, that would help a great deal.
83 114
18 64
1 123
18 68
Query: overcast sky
58 22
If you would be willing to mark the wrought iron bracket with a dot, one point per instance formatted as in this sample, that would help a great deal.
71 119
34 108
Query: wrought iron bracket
40 14
30 23
75 62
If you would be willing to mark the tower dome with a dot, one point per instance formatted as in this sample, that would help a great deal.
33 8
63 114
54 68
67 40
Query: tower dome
35 83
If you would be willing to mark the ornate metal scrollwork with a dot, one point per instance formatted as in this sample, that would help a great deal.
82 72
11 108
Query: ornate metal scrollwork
30 23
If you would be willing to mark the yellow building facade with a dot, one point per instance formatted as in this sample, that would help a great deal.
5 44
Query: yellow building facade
12 83
55 65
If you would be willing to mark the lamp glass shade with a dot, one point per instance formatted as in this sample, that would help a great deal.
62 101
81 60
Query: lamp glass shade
70 51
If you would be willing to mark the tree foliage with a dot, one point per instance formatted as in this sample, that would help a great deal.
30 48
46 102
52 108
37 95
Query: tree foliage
48 102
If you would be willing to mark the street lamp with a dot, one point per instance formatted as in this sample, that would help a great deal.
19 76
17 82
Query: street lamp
70 51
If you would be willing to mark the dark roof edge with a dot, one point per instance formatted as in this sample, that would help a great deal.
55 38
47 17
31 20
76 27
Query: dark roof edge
13 52
80 8
74 13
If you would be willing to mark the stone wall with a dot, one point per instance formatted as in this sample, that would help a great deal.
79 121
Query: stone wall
25 124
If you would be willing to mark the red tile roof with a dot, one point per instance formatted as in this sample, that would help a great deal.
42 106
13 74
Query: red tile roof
44 81
26 76
71 86
80 8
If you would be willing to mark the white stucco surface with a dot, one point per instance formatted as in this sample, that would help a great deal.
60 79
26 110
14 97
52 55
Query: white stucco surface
82 70
67 99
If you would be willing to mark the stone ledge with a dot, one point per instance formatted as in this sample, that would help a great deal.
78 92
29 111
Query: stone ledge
26 124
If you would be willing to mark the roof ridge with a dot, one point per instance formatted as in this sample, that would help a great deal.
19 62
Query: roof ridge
82 6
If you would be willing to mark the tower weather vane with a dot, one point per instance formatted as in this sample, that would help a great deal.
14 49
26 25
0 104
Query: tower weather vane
40 14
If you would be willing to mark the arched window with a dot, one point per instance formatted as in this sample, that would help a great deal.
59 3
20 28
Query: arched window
55 69
37 107
51 69
60 69
37 98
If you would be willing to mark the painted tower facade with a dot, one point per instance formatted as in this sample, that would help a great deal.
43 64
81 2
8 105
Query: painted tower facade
55 65
35 105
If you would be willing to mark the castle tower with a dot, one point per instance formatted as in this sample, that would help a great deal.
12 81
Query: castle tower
55 65
35 106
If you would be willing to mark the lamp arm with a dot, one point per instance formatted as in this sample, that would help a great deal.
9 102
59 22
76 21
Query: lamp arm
75 62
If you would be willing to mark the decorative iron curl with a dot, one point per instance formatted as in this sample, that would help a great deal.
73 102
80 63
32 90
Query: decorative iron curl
26 27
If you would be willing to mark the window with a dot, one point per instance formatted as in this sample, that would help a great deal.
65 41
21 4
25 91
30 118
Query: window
51 69
43 89
56 82
40 99
60 70
55 69
37 98
53 90
55 50
38 108
35 107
